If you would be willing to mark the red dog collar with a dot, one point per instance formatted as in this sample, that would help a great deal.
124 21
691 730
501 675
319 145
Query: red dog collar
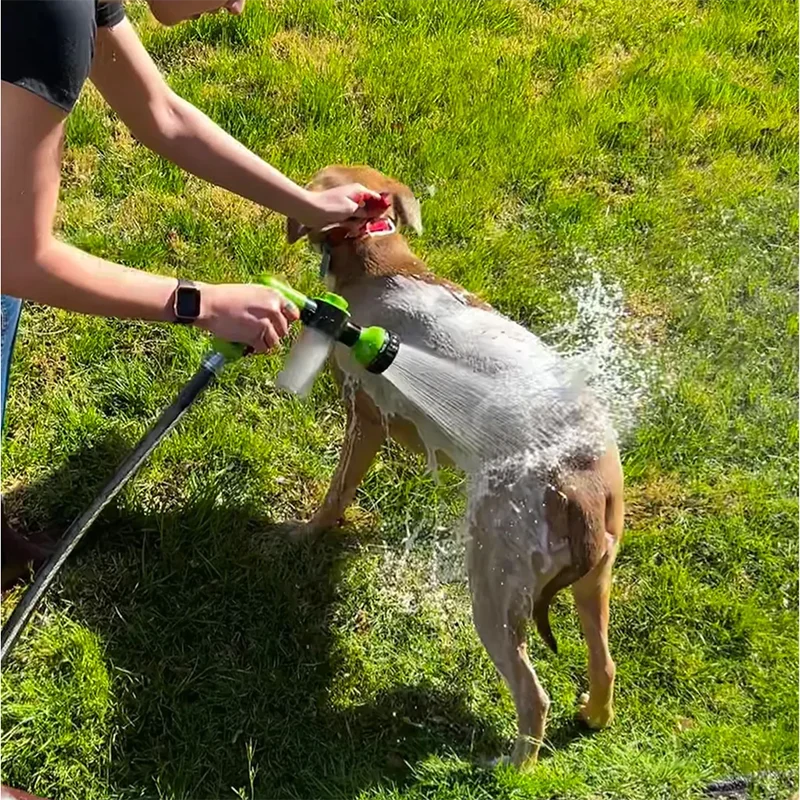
362 230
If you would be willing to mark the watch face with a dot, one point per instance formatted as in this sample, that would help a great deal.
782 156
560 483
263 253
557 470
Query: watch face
187 302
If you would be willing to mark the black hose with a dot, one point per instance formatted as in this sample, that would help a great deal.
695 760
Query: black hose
737 787
45 577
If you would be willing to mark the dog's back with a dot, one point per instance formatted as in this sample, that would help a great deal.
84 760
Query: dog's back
509 374
447 320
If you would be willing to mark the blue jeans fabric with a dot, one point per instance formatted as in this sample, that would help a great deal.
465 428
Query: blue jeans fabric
10 310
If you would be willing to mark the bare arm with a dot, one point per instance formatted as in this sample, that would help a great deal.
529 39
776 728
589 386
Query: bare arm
132 85
36 266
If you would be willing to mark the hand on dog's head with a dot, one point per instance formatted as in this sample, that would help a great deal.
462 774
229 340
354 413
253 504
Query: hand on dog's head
404 208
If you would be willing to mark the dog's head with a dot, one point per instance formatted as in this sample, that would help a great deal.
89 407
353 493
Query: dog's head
403 210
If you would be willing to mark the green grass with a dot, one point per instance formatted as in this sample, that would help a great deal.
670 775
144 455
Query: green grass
191 651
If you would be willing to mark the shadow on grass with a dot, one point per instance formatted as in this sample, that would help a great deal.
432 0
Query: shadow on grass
221 636
561 734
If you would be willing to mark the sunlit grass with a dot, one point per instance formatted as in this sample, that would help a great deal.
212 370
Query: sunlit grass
191 652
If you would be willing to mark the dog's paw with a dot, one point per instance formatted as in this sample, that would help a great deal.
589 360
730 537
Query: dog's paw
522 759
313 528
594 717
491 763
303 531
525 754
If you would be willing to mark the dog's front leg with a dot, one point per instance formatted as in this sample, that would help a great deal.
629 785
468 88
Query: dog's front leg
363 439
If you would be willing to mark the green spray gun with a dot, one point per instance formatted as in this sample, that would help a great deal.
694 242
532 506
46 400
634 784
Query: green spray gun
326 321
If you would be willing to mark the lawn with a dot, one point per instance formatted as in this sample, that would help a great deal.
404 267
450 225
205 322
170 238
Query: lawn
190 650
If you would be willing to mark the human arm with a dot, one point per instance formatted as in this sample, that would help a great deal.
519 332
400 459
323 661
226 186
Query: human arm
37 266
170 126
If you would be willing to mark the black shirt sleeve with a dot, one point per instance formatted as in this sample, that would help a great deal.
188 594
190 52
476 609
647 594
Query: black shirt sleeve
47 46
109 13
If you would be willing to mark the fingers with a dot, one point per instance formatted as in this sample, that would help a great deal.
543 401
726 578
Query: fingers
368 202
278 315
333 206
363 196
266 339
278 323
269 336
290 311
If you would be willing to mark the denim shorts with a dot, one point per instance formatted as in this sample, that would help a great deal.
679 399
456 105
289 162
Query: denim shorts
10 311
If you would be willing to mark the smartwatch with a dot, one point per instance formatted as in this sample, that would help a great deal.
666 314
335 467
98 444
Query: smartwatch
186 302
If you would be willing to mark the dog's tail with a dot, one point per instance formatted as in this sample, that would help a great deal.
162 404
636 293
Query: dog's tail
541 608
578 505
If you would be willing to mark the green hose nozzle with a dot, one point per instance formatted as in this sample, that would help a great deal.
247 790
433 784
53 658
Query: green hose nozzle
374 348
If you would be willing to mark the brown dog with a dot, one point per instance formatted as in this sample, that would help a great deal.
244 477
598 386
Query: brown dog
531 533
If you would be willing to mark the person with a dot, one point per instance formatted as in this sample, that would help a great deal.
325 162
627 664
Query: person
49 49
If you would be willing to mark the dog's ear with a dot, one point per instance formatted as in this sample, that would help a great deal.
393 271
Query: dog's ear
407 208
294 230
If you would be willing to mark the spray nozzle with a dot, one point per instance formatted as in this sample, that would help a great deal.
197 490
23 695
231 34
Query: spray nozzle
329 318
374 348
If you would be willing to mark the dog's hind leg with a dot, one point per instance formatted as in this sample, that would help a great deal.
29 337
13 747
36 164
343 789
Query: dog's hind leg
592 603
500 615
592 593
363 439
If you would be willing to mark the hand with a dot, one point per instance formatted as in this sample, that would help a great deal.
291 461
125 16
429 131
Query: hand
336 205
248 314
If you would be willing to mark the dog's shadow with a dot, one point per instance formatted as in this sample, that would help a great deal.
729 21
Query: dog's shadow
221 632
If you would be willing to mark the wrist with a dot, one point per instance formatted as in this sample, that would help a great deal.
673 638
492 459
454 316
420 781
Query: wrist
207 305
191 303
305 206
